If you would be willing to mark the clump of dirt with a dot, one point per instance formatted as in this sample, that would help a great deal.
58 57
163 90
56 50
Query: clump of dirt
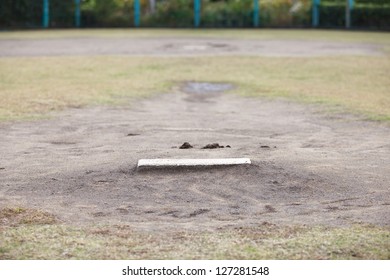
215 146
186 145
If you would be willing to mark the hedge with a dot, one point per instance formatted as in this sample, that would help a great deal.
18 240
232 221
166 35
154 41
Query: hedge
367 14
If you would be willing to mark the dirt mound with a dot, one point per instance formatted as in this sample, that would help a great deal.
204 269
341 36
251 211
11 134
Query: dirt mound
81 165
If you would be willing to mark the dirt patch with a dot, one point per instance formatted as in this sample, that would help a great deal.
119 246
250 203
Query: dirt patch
332 171
182 47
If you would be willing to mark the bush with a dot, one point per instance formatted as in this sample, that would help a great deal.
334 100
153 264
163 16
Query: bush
172 13
365 14
230 13
28 14
280 13
107 13
373 14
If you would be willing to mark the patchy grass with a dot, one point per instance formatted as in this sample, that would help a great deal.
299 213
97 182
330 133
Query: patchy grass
16 216
265 242
32 87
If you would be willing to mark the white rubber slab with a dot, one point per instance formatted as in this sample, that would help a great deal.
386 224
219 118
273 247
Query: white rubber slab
191 162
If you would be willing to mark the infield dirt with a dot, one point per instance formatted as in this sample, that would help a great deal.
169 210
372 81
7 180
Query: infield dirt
317 169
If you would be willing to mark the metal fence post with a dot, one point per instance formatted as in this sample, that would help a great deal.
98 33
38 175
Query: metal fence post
137 13
316 13
197 7
348 9
77 13
46 15
256 13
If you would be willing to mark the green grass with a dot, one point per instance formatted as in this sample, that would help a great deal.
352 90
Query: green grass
32 87
31 234
266 34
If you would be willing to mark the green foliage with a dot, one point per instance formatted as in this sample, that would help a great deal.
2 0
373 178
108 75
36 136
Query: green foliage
229 13
372 16
173 13
365 14
280 13
24 13
179 13
27 13
61 13
112 13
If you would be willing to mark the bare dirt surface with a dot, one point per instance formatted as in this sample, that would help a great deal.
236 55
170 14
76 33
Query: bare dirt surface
181 47
308 168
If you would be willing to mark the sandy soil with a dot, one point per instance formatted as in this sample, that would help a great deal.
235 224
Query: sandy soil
182 47
308 168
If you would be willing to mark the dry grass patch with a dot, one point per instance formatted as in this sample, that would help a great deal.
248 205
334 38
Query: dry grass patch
17 216
264 242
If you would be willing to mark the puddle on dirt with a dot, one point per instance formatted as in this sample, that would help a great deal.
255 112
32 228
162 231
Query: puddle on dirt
206 87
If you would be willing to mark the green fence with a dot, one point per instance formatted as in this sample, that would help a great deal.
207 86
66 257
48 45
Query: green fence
362 14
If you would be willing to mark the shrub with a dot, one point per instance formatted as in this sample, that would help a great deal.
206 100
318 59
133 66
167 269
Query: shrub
172 13
373 14
280 13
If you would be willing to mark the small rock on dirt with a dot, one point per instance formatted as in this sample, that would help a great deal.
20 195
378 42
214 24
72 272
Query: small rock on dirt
186 145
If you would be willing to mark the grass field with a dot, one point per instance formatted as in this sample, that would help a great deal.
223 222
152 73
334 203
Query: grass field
341 35
32 87
32 234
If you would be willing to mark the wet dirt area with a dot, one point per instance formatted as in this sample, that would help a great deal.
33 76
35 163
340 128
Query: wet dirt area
307 167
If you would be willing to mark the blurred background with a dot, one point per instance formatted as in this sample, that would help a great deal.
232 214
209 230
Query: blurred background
357 14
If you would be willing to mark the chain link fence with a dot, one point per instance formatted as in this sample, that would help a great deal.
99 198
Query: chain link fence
357 14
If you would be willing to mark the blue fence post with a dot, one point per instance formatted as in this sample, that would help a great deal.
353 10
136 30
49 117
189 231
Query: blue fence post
348 9
197 7
256 13
77 13
316 13
46 15
137 13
